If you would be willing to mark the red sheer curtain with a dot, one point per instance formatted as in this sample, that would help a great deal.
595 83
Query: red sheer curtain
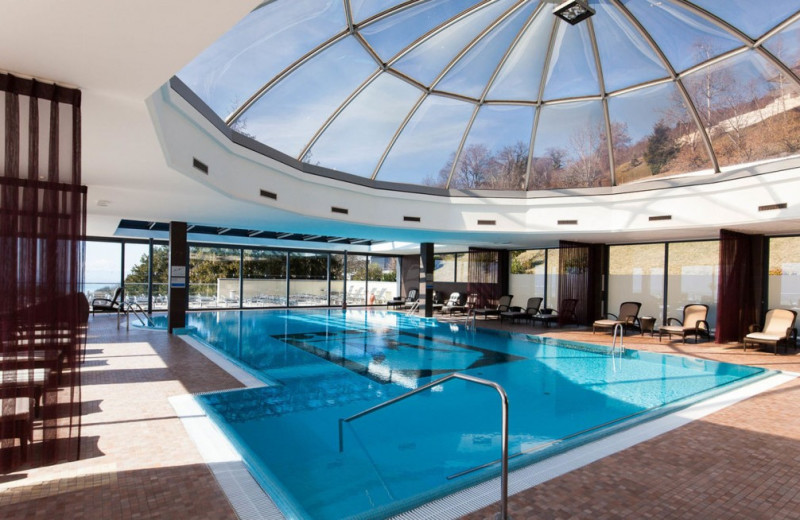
483 277
43 315
740 284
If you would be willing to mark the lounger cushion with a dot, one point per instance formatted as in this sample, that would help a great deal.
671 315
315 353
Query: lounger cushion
606 323
760 336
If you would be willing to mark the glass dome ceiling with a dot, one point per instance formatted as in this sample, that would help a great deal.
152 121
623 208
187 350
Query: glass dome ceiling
503 95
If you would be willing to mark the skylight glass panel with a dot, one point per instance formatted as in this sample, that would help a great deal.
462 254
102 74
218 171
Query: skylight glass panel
684 36
428 60
392 34
786 46
521 74
748 108
428 143
288 115
653 133
495 154
625 56
256 49
356 139
570 147
752 17
573 70
470 75
363 9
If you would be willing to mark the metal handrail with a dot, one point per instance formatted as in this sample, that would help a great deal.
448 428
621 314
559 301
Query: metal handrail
504 428
618 327
134 307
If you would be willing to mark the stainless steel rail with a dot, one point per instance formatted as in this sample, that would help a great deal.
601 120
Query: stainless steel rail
618 327
503 515
135 308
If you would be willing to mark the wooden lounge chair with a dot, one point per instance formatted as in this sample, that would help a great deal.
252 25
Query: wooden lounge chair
778 328
628 317
516 313
694 322
503 305
106 305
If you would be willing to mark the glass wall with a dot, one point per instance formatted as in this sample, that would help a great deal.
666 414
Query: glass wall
381 279
137 270
213 277
784 274
308 279
692 277
103 269
356 279
216 277
264 278
337 279
636 273
551 296
444 267
527 275
462 267
160 276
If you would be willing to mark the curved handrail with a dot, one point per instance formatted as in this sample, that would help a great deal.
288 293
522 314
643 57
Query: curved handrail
504 428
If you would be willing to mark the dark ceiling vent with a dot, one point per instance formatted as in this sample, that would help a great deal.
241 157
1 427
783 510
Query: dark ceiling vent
769 207
487 222
269 194
198 165
660 217
567 222
412 219
343 211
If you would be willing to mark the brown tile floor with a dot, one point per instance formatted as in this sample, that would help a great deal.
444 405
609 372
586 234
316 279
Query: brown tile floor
138 461
742 462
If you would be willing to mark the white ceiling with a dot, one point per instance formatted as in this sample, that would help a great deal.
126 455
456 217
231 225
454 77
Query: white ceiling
120 53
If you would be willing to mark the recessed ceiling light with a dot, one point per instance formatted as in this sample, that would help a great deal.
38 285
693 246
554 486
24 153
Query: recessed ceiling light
103 203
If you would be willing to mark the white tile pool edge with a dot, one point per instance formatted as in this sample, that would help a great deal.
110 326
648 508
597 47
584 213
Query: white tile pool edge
251 502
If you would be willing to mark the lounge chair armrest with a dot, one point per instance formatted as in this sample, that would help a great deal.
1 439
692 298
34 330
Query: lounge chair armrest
790 332
610 314
105 301
515 309
754 328
703 325
674 321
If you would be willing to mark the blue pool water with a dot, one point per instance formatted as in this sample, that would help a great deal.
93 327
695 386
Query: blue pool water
324 365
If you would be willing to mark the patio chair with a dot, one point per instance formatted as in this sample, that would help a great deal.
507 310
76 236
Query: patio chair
455 303
399 302
778 328
694 322
565 313
106 305
517 313
628 317
503 305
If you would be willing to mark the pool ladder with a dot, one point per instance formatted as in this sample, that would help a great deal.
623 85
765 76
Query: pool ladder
137 311
503 514
618 327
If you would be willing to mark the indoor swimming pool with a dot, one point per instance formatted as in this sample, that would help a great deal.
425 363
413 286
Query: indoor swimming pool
321 366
